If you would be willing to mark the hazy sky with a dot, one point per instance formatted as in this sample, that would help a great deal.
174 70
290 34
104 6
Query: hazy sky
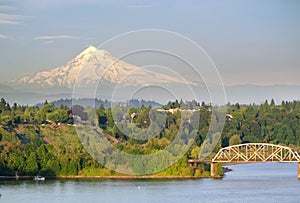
251 42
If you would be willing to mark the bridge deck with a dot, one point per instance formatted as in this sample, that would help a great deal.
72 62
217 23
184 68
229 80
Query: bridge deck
199 161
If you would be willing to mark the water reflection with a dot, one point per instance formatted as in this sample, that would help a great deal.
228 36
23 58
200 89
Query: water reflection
263 182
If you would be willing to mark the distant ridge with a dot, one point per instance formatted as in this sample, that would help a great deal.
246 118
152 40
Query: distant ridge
250 93
97 102
6 89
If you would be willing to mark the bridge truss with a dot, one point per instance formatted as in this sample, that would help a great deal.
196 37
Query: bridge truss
256 152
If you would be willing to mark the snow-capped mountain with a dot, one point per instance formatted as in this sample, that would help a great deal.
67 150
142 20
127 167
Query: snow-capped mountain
94 65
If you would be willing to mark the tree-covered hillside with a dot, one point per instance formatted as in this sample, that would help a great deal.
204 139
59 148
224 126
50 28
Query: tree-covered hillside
269 123
44 140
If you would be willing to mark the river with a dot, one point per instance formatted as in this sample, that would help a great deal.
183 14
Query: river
260 182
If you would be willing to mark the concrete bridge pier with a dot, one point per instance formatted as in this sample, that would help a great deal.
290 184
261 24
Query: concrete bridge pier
213 169
298 170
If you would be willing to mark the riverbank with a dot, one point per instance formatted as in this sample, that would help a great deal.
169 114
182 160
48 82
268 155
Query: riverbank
113 177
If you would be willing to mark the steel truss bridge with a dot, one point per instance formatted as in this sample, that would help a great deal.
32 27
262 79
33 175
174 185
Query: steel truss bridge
256 152
252 153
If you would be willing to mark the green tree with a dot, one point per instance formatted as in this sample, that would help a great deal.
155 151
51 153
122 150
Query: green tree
195 152
235 140
31 167
102 117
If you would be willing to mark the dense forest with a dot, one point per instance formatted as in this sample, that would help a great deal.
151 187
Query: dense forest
43 140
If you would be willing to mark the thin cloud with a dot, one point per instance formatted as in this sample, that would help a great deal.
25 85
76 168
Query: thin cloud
2 7
53 37
11 19
65 3
140 6
4 37
49 42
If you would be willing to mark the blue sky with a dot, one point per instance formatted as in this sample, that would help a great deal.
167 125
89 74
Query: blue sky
251 42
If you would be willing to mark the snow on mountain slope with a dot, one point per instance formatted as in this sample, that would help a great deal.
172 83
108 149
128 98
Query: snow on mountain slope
94 65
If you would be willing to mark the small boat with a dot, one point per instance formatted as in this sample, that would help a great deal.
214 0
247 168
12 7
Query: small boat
17 176
39 178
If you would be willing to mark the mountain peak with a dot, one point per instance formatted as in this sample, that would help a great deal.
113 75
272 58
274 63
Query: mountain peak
90 64
91 50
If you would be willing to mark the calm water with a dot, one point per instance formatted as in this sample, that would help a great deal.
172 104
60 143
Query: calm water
263 182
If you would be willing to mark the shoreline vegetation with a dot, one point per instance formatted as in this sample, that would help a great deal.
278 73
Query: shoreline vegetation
121 177
45 140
